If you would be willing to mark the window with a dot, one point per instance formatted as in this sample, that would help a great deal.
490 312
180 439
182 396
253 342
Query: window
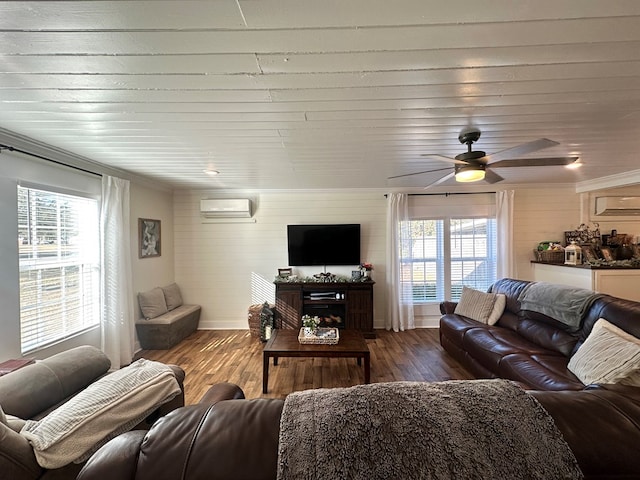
445 254
58 238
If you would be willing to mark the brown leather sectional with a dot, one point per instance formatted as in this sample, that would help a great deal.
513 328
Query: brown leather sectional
238 438
225 437
526 346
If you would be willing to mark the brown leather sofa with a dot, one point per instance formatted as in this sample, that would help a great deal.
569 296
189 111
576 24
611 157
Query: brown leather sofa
238 439
526 346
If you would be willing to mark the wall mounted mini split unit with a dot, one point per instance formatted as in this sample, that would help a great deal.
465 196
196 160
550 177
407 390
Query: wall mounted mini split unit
225 208
617 206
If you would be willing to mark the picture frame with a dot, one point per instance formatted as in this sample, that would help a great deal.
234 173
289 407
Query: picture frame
588 254
285 272
356 275
607 254
149 238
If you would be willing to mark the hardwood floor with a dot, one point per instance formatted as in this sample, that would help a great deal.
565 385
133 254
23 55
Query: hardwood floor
213 356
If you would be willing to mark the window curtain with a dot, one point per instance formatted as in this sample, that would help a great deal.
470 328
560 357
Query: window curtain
506 267
399 295
118 329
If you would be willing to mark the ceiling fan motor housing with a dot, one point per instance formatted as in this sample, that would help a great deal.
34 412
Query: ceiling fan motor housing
469 136
471 156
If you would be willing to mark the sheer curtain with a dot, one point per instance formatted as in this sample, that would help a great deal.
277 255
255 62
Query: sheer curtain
399 297
506 267
118 329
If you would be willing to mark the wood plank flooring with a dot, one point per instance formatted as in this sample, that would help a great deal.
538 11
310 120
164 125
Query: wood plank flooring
213 356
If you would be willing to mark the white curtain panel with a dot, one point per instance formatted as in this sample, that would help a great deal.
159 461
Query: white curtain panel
118 328
506 267
399 298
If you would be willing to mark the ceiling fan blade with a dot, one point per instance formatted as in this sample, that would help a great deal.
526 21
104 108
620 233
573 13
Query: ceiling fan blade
442 180
492 177
418 173
521 150
534 162
444 159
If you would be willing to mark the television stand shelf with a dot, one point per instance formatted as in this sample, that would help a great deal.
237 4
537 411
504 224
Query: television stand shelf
353 300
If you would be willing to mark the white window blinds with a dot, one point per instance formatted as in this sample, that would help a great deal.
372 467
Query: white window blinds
58 237
453 243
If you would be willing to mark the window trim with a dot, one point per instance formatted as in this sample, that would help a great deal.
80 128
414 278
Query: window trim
36 264
445 222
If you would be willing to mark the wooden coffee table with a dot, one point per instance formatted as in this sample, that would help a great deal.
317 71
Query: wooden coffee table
284 343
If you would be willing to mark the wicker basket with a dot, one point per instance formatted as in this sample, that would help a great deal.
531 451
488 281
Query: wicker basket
549 256
254 318
324 336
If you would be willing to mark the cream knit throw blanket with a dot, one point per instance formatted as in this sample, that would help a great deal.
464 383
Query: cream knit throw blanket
111 405
479 429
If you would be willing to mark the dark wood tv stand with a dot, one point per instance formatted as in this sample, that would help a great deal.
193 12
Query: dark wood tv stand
356 299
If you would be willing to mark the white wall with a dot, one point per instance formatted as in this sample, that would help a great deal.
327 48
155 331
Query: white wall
540 215
151 272
225 267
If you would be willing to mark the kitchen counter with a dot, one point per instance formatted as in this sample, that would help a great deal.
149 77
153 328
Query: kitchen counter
616 280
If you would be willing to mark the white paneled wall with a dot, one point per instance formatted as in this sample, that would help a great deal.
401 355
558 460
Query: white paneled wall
225 267
540 215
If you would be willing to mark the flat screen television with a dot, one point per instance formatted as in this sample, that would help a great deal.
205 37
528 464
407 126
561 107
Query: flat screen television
324 244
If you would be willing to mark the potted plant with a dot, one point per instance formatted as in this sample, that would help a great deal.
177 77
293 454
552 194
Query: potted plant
366 268
310 324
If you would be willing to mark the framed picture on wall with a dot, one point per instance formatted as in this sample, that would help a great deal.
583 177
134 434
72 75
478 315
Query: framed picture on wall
148 238
285 272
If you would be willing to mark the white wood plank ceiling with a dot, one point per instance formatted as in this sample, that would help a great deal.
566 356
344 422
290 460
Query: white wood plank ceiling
282 94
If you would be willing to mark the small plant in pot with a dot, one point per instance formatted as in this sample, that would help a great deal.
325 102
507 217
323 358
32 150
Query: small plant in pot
310 324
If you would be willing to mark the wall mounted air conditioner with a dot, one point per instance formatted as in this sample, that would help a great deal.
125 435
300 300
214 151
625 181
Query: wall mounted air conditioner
225 208
617 206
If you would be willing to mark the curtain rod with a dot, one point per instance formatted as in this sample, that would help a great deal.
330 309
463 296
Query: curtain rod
13 149
446 194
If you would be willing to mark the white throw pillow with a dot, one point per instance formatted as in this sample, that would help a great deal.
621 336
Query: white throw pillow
152 303
476 305
498 308
608 355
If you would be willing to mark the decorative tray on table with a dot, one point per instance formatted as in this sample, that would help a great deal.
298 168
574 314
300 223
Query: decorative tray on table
322 336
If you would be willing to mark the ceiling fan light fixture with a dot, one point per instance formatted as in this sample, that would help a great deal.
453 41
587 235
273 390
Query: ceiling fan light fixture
469 173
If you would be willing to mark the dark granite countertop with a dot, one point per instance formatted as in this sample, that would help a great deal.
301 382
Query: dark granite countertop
617 265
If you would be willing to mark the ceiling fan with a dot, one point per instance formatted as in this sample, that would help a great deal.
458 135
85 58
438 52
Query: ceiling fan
473 166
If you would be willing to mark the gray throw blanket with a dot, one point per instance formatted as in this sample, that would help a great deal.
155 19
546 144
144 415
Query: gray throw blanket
478 429
561 302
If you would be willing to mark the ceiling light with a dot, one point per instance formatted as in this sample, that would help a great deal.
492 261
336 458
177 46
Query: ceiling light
211 172
469 173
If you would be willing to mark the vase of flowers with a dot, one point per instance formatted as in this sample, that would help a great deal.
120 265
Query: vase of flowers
310 324
366 269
